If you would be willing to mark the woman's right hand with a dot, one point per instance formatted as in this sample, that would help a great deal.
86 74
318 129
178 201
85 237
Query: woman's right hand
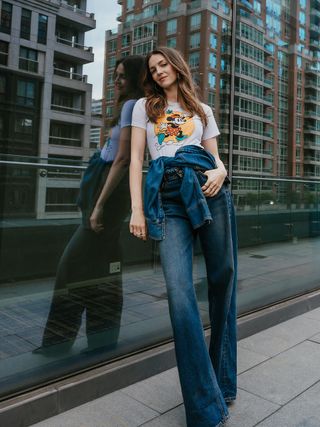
138 225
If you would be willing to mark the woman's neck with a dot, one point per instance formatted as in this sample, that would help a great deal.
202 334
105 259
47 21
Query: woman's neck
171 94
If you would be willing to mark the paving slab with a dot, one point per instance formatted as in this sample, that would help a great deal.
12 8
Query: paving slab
315 338
313 314
174 418
114 410
161 392
249 409
303 411
285 376
248 359
279 338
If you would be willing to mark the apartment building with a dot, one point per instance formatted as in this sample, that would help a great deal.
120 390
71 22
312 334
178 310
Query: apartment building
263 64
45 102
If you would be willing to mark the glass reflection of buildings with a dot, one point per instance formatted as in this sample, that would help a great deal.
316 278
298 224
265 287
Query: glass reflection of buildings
45 102
276 121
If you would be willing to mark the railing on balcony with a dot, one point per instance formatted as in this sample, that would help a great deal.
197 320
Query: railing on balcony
71 42
67 109
67 142
76 9
70 74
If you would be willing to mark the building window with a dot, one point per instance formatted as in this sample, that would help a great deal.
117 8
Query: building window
110 95
302 34
109 111
194 59
213 41
152 10
195 21
172 26
112 45
299 61
25 25
129 17
172 42
4 47
6 17
42 29
214 22
143 48
145 31
3 82
212 60
23 125
28 60
110 80
126 39
211 99
174 5
194 40
303 4
302 18
257 7
211 80
111 62
130 4
26 93
225 26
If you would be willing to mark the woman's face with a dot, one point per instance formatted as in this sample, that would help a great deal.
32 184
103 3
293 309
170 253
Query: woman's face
162 71
120 80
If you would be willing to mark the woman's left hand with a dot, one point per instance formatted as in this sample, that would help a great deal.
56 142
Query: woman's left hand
96 219
214 182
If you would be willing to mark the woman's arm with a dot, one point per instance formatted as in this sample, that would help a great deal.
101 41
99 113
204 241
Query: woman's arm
117 171
216 176
137 221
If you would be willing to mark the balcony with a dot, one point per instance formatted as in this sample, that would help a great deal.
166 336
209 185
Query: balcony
312 160
70 74
81 18
69 48
66 142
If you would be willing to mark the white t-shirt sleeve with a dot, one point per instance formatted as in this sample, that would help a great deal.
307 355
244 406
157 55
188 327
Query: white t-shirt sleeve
139 115
211 130
126 113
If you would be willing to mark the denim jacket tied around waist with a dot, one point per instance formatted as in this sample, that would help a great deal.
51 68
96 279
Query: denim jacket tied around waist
190 158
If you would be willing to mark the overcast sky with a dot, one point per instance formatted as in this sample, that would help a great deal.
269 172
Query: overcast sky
105 12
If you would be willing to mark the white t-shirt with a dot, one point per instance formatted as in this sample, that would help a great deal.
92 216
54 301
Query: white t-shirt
175 129
111 146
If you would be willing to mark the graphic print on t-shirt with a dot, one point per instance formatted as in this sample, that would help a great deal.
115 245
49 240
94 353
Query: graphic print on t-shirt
173 128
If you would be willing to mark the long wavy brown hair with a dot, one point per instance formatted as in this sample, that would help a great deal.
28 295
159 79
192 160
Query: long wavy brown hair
187 95
134 68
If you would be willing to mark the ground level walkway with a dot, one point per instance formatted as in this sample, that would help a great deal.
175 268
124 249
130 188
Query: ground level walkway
279 386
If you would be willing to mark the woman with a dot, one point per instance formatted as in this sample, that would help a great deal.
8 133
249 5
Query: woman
83 281
186 196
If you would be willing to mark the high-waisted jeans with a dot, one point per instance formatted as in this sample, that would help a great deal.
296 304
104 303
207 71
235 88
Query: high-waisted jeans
208 378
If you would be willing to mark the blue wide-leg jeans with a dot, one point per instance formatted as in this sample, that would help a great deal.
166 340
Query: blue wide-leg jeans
207 377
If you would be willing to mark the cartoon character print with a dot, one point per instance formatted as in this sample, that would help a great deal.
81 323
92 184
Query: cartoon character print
173 128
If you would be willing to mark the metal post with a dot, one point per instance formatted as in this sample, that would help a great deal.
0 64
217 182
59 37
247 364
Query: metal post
232 85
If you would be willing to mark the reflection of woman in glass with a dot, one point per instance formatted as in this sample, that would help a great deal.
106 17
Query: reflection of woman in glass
186 195
83 282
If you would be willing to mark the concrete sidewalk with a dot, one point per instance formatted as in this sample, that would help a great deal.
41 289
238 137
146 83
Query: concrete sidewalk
278 386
